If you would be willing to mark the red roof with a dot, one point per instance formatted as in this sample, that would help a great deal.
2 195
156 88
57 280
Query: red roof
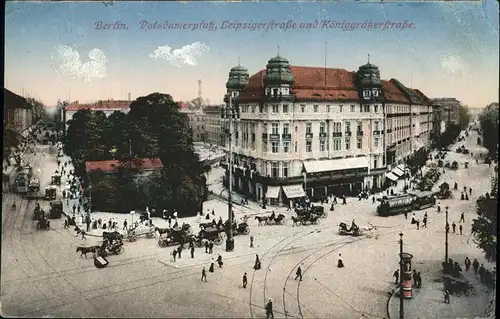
109 166
311 83
99 106
182 105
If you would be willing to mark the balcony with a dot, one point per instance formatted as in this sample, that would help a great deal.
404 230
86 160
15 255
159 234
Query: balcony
274 136
278 97
286 136
347 133
377 132
339 134
264 136
322 135
359 133
309 135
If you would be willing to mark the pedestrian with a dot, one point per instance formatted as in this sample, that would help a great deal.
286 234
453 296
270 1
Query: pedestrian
211 247
418 224
415 278
406 213
453 226
344 200
460 228
424 221
211 269
419 280
462 218
169 221
78 209
467 263
179 251
66 225
340 263
257 264
438 208
470 190
481 272
466 196
174 254
462 197
245 280
206 247
455 186
251 241
446 294
413 219
74 208
203 275
475 266
125 224
298 274
192 251
396 276
219 261
269 309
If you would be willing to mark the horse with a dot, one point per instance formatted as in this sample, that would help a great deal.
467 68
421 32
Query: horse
262 219
296 221
280 218
162 231
86 250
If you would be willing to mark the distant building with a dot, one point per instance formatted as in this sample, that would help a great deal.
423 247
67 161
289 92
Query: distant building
450 109
17 112
196 121
108 107
213 125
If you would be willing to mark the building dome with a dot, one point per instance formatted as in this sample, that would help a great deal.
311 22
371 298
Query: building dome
278 71
369 75
238 78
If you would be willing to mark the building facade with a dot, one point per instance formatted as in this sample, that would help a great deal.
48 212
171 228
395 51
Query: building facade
206 124
196 121
320 131
450 110
107 107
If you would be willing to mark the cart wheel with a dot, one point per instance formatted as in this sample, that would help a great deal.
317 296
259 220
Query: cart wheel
246 231
325 214
131 238
458 293
161 243
218 241
466 292
473 291
119 251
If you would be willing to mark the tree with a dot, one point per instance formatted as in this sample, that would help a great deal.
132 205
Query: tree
489 127
484 227
464 116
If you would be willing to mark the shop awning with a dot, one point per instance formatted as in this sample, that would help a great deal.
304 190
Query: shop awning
398 172
336 164
294 191
272 191
391 176
401 167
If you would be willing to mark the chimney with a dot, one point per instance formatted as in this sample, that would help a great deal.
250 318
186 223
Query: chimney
129 97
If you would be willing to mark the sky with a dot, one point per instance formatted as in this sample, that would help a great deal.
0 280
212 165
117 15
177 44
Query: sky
90 51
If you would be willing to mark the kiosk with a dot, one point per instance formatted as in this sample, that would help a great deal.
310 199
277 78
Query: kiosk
407 276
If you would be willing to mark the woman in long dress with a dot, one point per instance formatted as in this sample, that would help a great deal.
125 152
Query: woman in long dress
211 269
340 263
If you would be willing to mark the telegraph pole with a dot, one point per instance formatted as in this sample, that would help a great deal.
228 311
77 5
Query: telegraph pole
447 230
401 300
230 239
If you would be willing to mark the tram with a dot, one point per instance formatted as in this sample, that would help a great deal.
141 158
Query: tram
395 204
34 188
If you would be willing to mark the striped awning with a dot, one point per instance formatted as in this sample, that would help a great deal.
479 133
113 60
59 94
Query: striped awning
391 176
294 191
398 172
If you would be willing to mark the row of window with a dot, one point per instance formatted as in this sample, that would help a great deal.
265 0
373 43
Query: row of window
302 108
284 146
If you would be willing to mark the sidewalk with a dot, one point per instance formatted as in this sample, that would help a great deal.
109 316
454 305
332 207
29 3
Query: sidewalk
428 301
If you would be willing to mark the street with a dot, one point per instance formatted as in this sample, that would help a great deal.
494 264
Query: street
42 274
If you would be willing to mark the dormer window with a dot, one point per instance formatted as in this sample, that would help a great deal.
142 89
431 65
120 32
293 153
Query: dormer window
366 94
234 93
375 93
268 91
275 92
285 91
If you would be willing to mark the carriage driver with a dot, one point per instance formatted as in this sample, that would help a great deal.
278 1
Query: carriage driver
353 225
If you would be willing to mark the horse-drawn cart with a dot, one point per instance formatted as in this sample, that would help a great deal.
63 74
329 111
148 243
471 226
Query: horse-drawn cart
100 262
211 234
135 232
176 236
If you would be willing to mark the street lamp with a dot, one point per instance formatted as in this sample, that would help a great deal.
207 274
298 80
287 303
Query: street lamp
447 230
401 300
229 113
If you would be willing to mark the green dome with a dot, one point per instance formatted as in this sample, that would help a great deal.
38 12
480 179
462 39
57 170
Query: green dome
238 78
278 71
369 75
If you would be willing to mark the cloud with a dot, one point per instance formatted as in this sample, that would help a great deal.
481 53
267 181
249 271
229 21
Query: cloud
180 57
67 62
453 64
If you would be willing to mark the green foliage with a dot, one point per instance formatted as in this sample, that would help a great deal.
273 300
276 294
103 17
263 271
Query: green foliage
430 178
464 116
154 128
484 227
489 126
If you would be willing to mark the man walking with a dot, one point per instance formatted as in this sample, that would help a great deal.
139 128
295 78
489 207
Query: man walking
179 251
467 263
424 221
396 276
462 218
125 224
475 265
245 280
192 251
174 254
460 228
203 275
453 226
298 274
269 309
481 272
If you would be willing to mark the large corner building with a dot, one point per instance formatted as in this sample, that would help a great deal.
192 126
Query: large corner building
319 131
